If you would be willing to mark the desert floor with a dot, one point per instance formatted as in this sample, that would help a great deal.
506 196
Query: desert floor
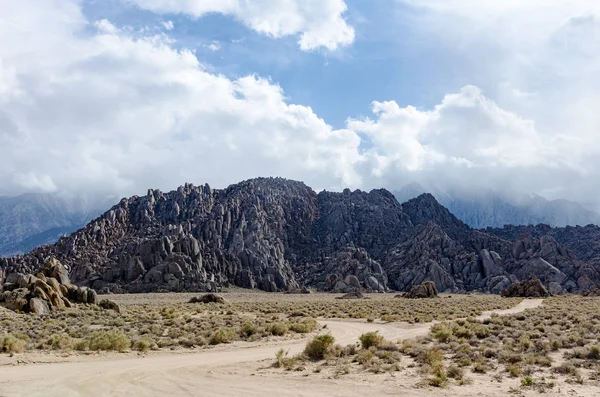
242 368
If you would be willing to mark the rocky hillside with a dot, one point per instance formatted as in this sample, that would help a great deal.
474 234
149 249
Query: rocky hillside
277 234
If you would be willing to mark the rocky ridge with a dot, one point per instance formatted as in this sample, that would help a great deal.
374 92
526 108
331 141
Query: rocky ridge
278 235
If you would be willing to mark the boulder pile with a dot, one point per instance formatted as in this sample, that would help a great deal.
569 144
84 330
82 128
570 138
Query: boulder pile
47 291
426 289
208 298
532 288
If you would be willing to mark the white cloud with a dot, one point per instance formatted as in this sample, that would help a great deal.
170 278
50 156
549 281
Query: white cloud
319 23
110 111
466 142
169 25
90 106
213 46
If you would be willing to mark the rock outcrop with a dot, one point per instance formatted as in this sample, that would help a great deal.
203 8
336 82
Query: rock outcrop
421 291
278 235
532 288
49 290
208 298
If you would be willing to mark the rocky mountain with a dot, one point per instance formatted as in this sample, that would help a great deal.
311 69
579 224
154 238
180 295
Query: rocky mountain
276 234
31 220
494 209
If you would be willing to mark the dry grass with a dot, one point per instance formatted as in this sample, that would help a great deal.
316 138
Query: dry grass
559 339
167 321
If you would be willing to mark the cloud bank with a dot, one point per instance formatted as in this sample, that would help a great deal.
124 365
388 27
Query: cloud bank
89 106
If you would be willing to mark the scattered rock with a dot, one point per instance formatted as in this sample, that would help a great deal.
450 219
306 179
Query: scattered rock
426 289
532 288
208 298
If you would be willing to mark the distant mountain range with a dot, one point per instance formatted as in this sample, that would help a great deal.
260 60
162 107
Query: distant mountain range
493 209
276 234
31 220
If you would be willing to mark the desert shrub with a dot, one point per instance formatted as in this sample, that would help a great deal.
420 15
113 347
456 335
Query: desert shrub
364 356
527 381
480 368
282 360
60 342
370 339
109 340
278 329
305 326
248 329
513 370
143 344
11 344
442 332
317 347
222 335
432 356
594 353
455 372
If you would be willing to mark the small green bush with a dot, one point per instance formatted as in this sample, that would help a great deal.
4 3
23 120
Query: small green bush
109 340
317 347
371 339
527 381
11 344
278 329
143 344
60 342
222 335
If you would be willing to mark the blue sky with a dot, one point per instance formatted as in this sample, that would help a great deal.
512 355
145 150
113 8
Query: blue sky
390 58
116 96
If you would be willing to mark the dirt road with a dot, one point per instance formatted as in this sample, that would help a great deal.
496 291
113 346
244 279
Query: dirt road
226 371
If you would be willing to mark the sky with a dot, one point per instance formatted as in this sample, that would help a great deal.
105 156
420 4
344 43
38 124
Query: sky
118 96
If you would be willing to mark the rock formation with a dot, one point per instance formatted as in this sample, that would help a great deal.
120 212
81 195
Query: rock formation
532 288
278 235
49 290
208 298
424 290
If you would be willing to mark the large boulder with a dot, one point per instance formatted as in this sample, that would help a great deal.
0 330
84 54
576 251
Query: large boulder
53 268
208 298
17 300
109 305
532 288
38 306
425 290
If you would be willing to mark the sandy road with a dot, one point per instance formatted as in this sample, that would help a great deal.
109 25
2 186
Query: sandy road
227 371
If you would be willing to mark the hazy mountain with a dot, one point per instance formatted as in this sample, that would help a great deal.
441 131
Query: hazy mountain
493 209
30 220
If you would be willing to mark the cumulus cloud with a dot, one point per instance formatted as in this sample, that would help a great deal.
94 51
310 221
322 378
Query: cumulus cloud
90 106
108 111
319 23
